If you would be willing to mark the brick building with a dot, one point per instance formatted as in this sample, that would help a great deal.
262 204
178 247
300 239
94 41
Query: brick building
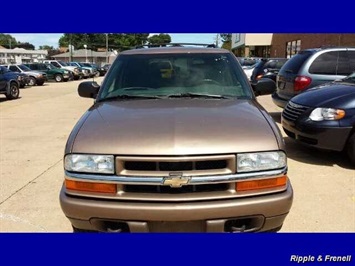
285 45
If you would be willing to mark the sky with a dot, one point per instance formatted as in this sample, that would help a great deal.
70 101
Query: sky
51 39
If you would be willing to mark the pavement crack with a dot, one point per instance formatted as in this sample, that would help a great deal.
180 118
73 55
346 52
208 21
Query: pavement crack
30 182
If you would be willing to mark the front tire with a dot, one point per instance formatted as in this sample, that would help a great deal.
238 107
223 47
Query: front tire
14 92
32 81
58 78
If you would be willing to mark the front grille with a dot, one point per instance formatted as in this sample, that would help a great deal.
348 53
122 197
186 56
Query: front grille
163 166
292 111
180 190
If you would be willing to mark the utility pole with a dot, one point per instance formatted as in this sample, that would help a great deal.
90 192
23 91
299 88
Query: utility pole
70 49
106 48
217 40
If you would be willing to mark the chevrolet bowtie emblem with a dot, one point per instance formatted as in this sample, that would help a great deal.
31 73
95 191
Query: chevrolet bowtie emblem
176 180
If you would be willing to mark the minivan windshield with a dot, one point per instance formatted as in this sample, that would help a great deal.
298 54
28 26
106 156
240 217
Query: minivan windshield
174 75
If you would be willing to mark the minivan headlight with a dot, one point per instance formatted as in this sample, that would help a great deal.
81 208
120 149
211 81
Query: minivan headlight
86 163
320 114
258 161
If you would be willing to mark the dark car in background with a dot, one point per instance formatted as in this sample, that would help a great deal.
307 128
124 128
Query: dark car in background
9 83
106 67
267 68
53 73
310 68
324 117
101 71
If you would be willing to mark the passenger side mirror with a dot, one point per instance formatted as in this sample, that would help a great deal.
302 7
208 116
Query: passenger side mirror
264 86
88 89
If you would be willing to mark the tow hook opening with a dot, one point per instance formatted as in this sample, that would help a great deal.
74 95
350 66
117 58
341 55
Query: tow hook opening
110 226
243 225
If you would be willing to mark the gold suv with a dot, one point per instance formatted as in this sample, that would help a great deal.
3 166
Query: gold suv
175 142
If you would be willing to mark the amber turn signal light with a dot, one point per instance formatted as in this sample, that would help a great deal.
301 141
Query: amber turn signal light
261 184
90 186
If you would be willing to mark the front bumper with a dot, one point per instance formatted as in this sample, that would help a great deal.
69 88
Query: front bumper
261 213
328 137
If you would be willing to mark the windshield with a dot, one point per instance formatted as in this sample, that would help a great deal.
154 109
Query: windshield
24 68
176 74
63 63
86 64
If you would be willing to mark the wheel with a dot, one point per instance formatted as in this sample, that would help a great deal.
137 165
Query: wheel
58 78
40 83
32 81
351 149
14 92
97 74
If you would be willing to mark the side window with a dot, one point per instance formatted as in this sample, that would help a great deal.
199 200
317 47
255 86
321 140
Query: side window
325 64
343 67
351 56
14 69
55 64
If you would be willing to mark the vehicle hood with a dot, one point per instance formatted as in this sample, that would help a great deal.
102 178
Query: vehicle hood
174 127
34 73
332 95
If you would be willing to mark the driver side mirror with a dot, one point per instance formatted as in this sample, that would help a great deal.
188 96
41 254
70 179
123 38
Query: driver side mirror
88 89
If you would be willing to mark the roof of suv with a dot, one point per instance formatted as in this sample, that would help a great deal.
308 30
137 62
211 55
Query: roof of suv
175 50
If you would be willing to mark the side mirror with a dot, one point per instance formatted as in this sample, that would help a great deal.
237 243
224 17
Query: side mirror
264 87
88 89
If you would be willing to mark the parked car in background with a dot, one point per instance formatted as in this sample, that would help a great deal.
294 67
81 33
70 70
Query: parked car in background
88 71
267 68
324 117
77 73
102 71
106 67
175 142
9 83
34 77
53 73
310 68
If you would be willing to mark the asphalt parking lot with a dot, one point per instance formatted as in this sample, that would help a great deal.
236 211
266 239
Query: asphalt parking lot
33 133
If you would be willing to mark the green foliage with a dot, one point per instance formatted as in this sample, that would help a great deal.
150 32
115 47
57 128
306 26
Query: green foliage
120 41
227 40
159 39
25 45
6 40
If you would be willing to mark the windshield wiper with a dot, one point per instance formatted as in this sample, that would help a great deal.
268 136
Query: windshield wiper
198 95
128 97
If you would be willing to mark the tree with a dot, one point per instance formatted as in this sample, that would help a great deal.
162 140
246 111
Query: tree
7 41
25 45
120 41
51 51
159 39
227 40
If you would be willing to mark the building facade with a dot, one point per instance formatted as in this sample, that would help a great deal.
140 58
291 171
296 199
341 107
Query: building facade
21 56
285 45
86 55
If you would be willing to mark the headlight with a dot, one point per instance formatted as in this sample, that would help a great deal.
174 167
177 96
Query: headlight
320 114
250 162
66 72
89 163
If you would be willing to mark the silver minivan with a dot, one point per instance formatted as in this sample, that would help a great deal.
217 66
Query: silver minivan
310 68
